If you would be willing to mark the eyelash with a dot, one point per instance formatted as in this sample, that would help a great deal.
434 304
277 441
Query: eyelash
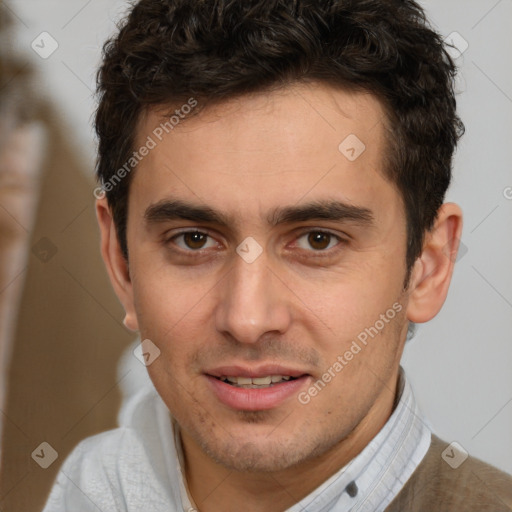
312 252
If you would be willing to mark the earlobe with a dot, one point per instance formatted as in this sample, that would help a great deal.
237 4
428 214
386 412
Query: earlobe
130 322
115 263
433 270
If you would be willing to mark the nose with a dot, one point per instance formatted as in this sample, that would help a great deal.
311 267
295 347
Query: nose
253 302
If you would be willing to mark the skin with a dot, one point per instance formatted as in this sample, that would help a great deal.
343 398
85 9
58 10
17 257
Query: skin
299 304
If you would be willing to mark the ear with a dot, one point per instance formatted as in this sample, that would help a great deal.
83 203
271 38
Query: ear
117 266
432 271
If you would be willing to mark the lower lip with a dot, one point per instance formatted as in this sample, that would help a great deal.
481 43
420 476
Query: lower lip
255 399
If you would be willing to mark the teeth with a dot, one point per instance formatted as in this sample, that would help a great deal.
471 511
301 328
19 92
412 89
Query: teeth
255 382
262 380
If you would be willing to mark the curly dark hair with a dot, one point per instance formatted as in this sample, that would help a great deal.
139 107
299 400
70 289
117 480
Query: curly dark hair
169 50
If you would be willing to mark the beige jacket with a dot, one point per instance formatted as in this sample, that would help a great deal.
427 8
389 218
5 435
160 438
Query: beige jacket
435 487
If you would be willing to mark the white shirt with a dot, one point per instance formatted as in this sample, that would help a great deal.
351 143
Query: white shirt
137 467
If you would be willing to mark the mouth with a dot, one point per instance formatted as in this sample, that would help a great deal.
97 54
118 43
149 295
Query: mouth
255 382
263 388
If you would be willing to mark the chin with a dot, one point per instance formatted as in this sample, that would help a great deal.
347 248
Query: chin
252 457
266 453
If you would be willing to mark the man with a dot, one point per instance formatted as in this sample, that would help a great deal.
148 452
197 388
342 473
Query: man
273 224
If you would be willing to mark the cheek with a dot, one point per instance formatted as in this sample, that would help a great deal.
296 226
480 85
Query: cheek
346 303
171 312
162 292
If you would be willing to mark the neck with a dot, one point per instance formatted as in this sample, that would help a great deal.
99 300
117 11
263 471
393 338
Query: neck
215 488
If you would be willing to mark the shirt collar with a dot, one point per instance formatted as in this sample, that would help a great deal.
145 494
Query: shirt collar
371 480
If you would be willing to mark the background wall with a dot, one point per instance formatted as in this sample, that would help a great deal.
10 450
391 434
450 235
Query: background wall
460 362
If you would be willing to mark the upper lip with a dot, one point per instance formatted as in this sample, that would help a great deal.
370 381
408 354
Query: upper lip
255 371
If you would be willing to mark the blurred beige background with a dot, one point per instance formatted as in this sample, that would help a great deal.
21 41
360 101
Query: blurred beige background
62 379
60 323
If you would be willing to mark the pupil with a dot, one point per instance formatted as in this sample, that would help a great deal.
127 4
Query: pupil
319 241
195 240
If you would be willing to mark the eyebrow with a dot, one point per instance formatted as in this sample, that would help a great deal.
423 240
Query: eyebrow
331 210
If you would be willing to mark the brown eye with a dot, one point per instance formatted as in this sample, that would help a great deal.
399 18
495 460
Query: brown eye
192 241
195 240
319 241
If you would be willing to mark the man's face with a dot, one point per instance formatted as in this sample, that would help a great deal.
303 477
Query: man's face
321 242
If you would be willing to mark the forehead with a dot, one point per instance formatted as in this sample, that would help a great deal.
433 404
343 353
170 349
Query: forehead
254 152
